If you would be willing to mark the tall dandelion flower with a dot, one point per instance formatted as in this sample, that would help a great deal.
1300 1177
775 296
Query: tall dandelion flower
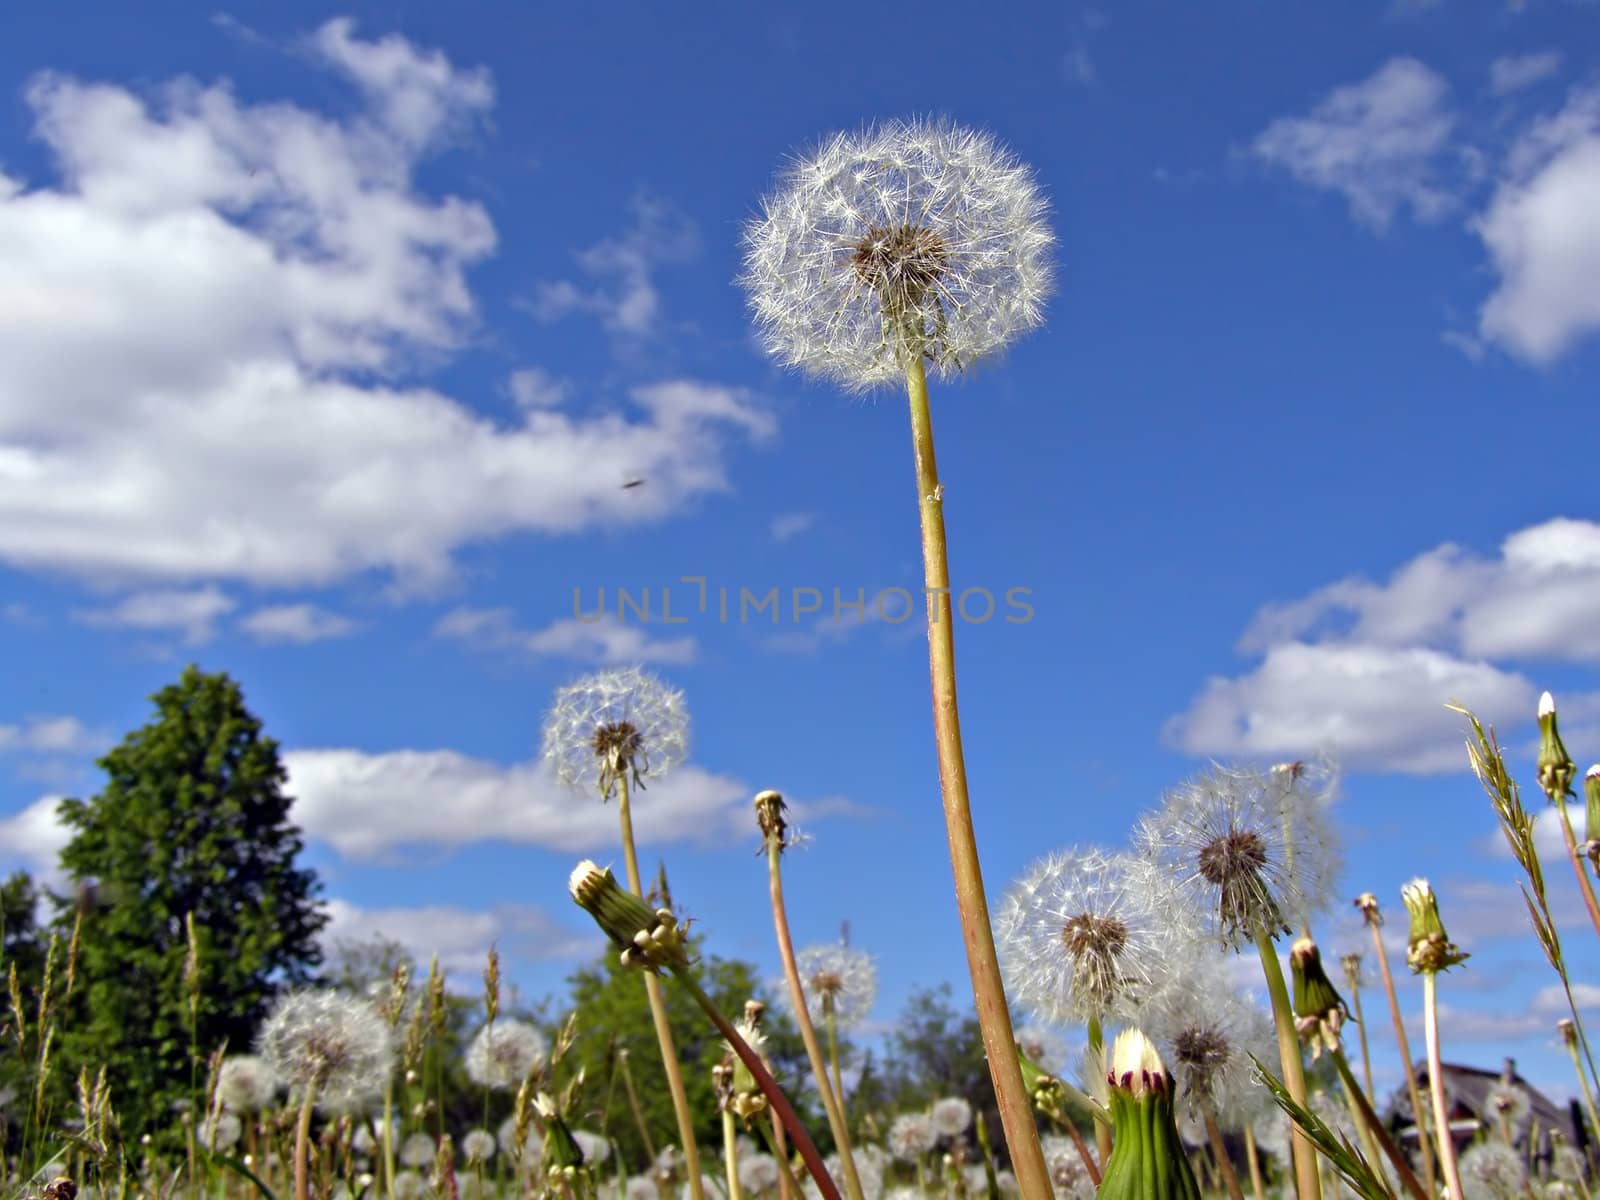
916 245
917 223
503 1054
1083 938
616 725
1239 845
327 1042
840 981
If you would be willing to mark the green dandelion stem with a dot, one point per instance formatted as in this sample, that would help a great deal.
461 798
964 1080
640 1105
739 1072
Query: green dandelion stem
1308 1185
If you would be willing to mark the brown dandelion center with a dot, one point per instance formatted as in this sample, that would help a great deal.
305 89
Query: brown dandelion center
1203 1051
901 263
1089 934
618 742
1236 855
829 983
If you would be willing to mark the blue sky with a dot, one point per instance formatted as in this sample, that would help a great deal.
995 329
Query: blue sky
330 336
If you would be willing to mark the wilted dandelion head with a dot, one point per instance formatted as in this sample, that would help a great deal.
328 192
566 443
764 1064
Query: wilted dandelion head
1067 1170
920 230
911 1136
477 1146
330 1041
1081 936
1248 847
501 1056
617 725
1492 1171
840 980
950 1116
245 1083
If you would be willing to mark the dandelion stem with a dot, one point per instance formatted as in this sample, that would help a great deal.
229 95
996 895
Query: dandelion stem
730 1155
1372 1122
1361 1029
302 1144
994 1017
633 1102
1413 1093
780 1151
658 1012
1257 1184
1441 1111
1307 1184
1219 1151
767 1084
830 1018
802 1018
1577 865
1097 1054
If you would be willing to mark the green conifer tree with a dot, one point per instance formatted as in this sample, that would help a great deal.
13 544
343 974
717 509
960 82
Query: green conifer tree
193 819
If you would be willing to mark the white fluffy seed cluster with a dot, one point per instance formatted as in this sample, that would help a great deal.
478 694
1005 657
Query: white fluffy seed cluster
501 1055
845 976
976 248
329 1040
630 696
245 1084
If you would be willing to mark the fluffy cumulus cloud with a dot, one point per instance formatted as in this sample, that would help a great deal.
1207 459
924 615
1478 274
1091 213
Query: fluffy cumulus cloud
1375 142
1365 668
368 806
33 837
1542 232
461 937
205 316
1517 71
296 623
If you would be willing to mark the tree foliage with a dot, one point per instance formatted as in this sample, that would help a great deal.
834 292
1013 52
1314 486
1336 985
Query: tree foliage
193 821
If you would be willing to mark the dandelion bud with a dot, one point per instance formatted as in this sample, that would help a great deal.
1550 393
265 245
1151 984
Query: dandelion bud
1352 971
1591 814
1568 1031
561 1150
1368 904
1555 765
769 816
648 941
1147 1160
1429 949
1319 1010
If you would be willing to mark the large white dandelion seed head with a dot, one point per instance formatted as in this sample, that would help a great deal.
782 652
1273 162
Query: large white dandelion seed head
839 978
478 1146
951 1116
911 1135
503 1053
1249 852
328 1040
1492 1171
1082 935
918 225
622 723
245 1083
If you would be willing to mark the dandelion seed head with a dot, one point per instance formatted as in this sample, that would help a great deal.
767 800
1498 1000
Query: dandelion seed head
333 1042
838 977
758 1172
245 1083
409 1185
618 724
417 1151
911 1136
1492 1171
503 1054
532 1149
1251 851
916 227
1509 1103
477 1146
950 1116
1067 1172
1044 1048
221 1131
1208 1030
1081 936
641 1187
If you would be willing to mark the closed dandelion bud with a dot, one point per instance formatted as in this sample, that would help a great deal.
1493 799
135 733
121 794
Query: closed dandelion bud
561 1150
1591 814
1568 1031
1429 949
1319 1010
650 941
1147 1160
1043 1087
1555 765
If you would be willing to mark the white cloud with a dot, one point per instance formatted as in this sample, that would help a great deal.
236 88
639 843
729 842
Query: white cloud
622 291
368 806
193 612
462 937
1366 667
1517 71
34 835
1374 142
534 387
603 639
297 623
790 525
51 735
202 321
1542 232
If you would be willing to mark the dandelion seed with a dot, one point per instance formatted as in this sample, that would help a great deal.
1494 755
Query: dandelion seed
1247 848
620 724
337 1044
1082 938
840 977
918 228
503 1054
